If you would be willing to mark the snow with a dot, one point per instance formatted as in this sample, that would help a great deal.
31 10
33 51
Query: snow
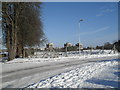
101 74
73 54
22 63
84 76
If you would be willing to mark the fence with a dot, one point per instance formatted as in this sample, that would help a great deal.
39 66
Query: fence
55 54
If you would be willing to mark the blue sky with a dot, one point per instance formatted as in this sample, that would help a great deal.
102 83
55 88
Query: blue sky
100 25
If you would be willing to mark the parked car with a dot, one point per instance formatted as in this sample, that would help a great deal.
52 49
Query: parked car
3 56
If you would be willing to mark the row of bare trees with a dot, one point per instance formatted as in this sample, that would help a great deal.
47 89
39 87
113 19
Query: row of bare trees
109 46
22 27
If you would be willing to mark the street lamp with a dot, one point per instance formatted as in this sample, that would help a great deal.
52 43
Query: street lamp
79 34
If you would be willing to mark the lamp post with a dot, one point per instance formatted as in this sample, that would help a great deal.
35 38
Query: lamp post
79 34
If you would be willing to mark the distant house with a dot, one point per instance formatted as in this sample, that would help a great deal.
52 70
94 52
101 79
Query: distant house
79 45
67 44
49 46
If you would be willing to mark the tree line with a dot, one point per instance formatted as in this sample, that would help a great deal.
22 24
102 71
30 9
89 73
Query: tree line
106 46
21 27
109 46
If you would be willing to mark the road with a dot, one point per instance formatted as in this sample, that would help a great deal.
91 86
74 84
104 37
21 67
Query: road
19 78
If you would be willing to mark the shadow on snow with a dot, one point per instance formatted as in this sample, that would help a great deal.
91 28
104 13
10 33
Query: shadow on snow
104 82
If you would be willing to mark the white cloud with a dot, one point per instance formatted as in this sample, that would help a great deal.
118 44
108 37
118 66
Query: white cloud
98 15
106 9
96 31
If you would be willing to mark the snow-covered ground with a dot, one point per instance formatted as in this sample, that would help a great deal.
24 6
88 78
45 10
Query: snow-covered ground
21 72
101 74
22 63
61 58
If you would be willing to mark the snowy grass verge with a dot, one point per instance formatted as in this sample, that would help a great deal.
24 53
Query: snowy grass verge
39 60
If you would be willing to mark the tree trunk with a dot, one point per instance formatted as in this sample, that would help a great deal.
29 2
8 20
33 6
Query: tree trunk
23 52
11 38
11 45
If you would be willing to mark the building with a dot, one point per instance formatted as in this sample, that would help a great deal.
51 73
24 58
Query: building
79 45
49 45
67 44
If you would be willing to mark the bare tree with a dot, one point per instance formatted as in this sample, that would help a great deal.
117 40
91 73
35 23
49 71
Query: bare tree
22 26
